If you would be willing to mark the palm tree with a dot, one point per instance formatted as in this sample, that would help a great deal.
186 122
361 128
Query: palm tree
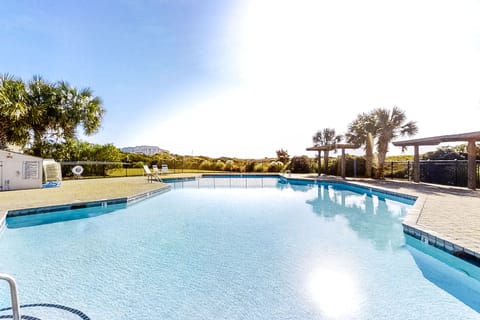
362 131
13 110
56 110
390 125
79 107
43 111
38 109
282 156
328 138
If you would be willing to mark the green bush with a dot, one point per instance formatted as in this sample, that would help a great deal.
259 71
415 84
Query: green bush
349 166
229 165
258 167
250 166
206 165
275 166
138 164
219 165
300 165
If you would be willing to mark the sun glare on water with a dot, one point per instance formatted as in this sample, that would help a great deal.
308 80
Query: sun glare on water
335 292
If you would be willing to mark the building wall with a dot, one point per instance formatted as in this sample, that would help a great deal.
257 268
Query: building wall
147 150
19 171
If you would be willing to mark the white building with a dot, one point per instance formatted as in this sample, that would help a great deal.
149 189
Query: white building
147 150
19 171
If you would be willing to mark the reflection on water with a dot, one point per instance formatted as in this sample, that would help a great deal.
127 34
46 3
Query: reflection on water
373 218
62 215
335 291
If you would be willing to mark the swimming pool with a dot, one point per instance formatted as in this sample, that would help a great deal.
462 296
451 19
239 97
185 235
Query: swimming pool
234 249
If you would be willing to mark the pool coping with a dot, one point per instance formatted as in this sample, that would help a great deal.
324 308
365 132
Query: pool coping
82 204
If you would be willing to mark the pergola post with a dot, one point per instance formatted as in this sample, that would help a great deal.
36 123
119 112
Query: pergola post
329 147
416 164
472 165
319 160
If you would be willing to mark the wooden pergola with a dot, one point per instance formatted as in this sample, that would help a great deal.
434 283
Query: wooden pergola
471 138
341 146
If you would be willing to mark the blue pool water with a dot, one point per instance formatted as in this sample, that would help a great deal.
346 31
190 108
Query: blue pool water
236 249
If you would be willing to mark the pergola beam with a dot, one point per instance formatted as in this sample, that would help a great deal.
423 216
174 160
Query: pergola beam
470 137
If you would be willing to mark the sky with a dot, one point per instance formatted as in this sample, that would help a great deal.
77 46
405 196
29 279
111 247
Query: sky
245 78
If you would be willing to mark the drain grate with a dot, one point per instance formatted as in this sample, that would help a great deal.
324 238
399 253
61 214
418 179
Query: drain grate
62 312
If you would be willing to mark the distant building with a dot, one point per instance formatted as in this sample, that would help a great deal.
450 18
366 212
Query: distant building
147 150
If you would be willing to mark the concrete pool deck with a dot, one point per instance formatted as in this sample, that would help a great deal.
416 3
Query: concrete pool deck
448 217
77 191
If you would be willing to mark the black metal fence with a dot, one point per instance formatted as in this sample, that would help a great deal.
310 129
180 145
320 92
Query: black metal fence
445 172
99 169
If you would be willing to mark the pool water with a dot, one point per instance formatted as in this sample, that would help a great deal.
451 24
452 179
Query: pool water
267 250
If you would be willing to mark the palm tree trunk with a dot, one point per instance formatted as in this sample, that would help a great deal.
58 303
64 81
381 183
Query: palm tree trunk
325 160
369 155
382 154
37 144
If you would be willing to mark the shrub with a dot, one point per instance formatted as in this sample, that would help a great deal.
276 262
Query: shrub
228 165
258 167
350 166
250 166
300 165
206 165
138 164
219 165
275 166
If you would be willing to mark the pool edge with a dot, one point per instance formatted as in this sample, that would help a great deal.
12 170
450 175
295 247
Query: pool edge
78 205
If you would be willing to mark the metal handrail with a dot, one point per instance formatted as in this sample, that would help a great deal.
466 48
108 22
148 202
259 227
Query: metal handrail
13 294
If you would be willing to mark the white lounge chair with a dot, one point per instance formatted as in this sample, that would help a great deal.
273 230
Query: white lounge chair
151 175
164 169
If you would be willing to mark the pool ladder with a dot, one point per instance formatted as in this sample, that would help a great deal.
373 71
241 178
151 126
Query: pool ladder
13 294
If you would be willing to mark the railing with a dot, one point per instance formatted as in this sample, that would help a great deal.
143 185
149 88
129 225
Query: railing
13 295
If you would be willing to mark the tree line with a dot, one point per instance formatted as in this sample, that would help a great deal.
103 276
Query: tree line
37 112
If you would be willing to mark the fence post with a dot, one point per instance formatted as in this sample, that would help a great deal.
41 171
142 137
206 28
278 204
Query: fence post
456 172
391 169
477 171
408 170
355 167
